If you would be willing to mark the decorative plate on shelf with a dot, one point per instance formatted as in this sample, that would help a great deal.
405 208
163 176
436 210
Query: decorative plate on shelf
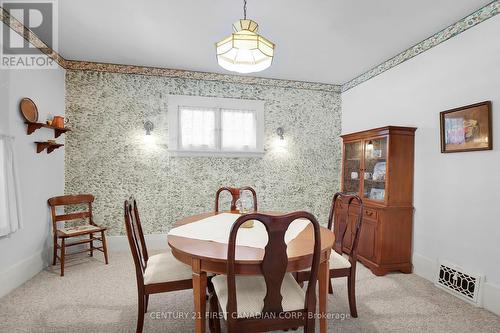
379 171
29 110
377 194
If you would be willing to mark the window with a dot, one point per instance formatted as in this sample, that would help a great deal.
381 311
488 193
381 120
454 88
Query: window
209 126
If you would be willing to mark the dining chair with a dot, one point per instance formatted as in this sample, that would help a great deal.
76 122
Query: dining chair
273 300
67 232
340 266
235 194
154 274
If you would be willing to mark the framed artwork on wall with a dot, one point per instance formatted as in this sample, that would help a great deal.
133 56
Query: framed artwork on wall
467 128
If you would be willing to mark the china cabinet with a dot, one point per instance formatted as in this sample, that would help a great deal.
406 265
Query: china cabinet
377 165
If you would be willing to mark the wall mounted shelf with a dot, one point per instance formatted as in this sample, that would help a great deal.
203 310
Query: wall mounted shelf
34 126
50 146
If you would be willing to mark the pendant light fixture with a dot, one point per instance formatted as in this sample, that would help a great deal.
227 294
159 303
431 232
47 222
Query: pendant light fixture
245 51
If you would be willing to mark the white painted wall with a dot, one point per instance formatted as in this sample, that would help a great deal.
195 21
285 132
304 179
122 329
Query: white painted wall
456 195
25 253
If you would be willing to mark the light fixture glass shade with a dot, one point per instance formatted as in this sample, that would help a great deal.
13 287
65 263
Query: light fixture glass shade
245 51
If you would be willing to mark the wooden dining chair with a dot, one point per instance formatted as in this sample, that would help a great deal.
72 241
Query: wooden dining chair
235 194
339 265
65 233
154 274
274 300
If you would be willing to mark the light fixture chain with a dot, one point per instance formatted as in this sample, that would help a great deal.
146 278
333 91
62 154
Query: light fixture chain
245 9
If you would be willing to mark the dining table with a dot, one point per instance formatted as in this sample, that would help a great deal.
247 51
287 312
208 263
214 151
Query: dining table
197 249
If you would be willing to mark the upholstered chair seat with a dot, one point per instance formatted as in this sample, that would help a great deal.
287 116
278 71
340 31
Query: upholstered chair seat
341 266
155 274
338 261
271 300
164 267
250 293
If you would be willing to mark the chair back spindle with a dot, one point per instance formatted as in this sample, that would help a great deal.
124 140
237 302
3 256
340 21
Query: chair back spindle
275 261
71 200
135 237
235 195
338 221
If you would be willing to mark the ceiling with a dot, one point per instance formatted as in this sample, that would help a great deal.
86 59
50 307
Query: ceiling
328 41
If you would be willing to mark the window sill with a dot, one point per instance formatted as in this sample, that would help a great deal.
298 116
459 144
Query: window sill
207 153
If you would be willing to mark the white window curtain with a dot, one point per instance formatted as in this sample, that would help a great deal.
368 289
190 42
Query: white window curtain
239 129
197 128
10 210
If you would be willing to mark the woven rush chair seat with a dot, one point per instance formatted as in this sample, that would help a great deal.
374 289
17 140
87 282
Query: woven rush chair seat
79 230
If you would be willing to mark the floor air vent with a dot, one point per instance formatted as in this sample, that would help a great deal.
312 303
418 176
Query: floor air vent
460 283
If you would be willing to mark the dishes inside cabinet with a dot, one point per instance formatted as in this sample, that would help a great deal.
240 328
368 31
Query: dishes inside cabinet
29 110
377 194
377 153
379 171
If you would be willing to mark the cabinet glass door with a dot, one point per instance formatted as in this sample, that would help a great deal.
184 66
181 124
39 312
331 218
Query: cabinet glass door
353 152
375 164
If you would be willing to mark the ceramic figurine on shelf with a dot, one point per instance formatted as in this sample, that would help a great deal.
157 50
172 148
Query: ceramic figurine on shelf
58 121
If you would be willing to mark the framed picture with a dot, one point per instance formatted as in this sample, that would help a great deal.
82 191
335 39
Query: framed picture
467 128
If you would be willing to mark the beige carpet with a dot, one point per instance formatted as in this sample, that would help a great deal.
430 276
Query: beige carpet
93 297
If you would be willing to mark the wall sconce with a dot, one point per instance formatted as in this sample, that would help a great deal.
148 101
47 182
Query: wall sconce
280 131
369 146
279 143
149 126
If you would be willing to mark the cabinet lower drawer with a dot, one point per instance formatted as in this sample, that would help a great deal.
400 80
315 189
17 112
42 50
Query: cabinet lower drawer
369 213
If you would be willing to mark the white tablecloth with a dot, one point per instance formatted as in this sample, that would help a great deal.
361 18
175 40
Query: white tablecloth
217 228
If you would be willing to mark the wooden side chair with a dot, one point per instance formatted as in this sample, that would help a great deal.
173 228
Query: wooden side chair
236 194
65 233
155 274
339 265
273 300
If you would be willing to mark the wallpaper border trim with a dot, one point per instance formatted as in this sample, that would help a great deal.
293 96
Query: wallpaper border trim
194 75
453 30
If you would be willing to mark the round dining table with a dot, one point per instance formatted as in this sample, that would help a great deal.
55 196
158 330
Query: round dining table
211 257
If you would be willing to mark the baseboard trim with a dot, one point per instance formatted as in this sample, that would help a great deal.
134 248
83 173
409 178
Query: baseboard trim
16 275
491 298
153 241
426 267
